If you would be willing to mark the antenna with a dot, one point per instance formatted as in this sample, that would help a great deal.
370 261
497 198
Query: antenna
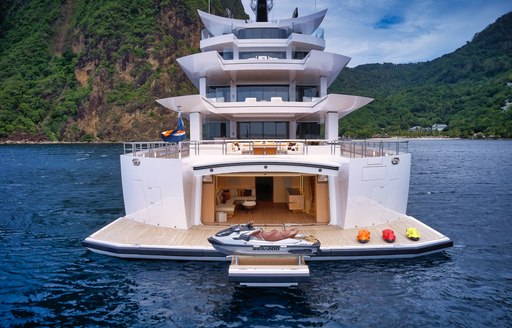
261 9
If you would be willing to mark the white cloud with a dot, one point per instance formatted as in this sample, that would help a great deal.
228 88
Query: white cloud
420 30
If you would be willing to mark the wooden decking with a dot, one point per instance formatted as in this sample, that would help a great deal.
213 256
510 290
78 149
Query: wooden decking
128 232
267 213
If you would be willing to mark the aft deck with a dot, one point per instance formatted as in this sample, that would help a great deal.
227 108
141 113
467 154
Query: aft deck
131 239
269 213
272 147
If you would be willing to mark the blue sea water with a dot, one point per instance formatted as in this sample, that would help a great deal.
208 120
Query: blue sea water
53 196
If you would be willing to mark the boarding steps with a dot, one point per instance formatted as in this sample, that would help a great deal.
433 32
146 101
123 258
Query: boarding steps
268 271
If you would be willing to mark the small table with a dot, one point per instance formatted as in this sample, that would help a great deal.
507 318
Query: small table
264 149
249 205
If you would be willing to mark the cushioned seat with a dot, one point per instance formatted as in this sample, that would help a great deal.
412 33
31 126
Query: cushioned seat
228 206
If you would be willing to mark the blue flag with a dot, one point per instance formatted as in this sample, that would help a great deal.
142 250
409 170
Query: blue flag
176 135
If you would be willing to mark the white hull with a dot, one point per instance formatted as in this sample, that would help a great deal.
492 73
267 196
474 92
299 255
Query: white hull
357 192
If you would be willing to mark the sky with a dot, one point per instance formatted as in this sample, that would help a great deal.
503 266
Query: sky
395 31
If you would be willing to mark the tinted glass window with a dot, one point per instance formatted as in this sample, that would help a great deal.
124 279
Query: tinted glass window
213 130
219 93
308 130
263 130
226 54
262 92
299 54
306 92
263 55
263 33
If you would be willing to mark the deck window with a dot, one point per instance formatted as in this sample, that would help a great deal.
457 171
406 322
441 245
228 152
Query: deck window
263 33
306 92
309 130
215 130
262 92
219 93
226 54
263 130
263 55
299 54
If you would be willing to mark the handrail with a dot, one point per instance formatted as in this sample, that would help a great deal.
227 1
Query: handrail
372 148
157 149
345 148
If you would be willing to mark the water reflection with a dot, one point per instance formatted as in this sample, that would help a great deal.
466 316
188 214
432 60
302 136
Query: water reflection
287 307
49 279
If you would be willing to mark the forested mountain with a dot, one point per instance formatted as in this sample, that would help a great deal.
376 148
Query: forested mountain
81 70
469 90
74 70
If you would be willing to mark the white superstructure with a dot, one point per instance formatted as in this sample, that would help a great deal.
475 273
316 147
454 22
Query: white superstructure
275 72
263 129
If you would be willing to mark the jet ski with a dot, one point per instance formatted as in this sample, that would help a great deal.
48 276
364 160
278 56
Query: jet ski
245 239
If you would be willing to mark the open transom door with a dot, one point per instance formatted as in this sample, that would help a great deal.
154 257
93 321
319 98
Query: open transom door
269 198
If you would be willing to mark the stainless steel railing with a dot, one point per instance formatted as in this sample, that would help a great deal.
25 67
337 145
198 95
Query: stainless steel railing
157 149
346 148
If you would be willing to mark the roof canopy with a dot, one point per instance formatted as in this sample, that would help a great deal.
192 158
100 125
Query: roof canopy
217 25
308 70
286 110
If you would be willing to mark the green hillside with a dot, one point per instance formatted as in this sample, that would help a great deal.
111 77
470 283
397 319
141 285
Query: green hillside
468 90
91 70
79 70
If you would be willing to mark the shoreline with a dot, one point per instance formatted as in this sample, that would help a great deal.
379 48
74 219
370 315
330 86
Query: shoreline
26 142
12 142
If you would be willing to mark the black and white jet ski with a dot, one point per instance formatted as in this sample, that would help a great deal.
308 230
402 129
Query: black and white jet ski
245 239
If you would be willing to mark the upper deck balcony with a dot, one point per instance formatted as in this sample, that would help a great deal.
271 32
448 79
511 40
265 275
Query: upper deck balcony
216 25
276 108
271 148
235 42
218 71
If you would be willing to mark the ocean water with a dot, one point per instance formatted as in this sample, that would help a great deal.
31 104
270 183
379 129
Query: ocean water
53 196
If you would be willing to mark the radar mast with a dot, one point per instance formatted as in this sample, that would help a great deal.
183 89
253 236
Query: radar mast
261 8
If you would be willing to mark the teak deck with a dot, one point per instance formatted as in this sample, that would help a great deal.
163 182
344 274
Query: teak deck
125 231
